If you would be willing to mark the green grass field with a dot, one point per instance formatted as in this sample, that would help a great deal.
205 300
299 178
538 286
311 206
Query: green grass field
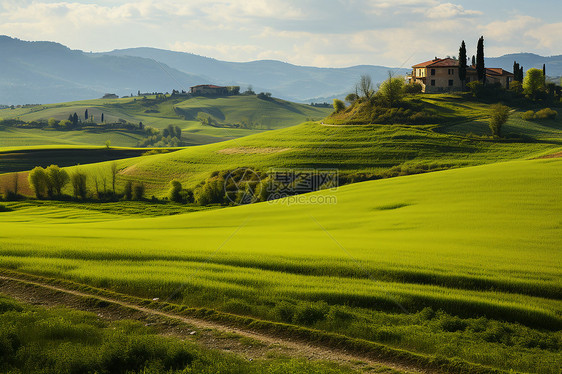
459 263
260 115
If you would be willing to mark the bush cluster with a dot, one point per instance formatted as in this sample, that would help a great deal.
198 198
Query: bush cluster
171 136
48 182
542 114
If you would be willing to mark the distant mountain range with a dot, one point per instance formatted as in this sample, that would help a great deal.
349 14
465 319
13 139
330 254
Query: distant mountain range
47 72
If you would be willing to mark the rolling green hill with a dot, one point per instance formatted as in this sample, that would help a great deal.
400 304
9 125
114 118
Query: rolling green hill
460 263
357 152
233 117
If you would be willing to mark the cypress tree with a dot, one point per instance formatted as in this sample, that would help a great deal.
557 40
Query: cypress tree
515 71
473 60
480 68
102 118
86 115
75 119
462 63
521 74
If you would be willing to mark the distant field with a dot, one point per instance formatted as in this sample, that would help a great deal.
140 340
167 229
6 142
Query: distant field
259 114
459 263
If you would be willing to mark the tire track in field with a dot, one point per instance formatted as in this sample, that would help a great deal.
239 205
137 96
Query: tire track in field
295 347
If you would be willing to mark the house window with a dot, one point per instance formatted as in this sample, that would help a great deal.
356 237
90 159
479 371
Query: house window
450 82
433 82
432 71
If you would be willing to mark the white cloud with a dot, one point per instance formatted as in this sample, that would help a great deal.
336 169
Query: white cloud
549 36
449 10
311 32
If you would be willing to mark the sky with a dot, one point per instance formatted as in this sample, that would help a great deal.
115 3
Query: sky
325 33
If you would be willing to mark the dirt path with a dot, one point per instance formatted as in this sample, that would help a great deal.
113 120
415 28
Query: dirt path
249 344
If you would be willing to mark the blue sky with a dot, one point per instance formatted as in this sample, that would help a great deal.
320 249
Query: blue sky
330 33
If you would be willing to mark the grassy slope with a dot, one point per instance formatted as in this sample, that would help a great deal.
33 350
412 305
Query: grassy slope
267 114
473 241
358 149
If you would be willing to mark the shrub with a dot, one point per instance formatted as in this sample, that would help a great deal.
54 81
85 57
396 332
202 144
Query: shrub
476 88
309 314
392 90
128 191
546 113
351 98
339 105
284 312
174 193
498 117
138 191
528 115
212 192
413 88
452 323
187 196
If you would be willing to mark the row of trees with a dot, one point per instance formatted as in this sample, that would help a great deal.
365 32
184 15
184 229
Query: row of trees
50 182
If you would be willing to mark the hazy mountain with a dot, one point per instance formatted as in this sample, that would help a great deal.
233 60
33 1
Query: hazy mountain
45 72
528 60
282 79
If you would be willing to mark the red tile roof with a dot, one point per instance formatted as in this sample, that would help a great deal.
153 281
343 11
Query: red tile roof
438 63
498 72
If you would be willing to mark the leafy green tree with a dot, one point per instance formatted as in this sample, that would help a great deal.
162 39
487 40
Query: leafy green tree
462 63
52 123
212 192
174 193
65 125
480 68
499 114
533 82
392 90
79 185
58 178
38 181
339 105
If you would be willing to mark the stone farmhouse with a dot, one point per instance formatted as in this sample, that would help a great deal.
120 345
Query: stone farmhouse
442 75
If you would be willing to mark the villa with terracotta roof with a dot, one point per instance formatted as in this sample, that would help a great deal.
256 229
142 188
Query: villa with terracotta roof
442 75
209 89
